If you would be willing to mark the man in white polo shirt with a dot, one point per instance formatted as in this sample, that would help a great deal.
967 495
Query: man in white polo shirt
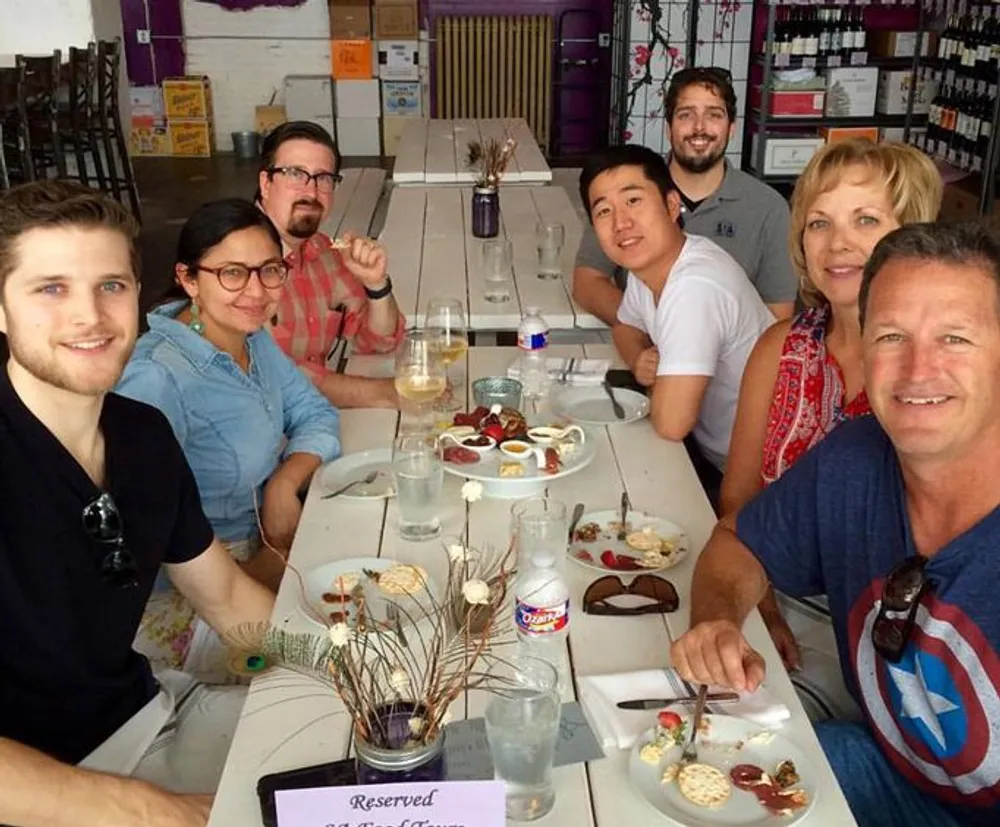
689 316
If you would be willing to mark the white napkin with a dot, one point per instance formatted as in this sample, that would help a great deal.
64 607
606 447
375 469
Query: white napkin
582 372
621 728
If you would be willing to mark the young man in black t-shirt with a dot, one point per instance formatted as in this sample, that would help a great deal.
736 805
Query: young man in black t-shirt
95 494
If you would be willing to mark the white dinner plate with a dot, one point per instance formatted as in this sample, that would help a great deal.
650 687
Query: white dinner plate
607 539
357 466
591 406
322 581
533 480
718 748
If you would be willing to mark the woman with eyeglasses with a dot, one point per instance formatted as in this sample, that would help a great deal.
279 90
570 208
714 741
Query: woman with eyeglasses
804 376
252 426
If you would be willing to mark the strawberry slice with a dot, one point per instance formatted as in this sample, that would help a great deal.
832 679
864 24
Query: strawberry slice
626 563
609 559
668 719
585 555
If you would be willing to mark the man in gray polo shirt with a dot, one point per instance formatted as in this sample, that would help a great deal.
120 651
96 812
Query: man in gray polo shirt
744 216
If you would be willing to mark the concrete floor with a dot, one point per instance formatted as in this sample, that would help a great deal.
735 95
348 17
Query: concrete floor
172 188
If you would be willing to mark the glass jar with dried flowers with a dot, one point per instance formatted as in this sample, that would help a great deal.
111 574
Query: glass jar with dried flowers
489 159
399 661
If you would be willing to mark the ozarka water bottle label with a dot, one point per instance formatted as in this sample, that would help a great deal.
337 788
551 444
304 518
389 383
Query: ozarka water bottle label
533 620
532 341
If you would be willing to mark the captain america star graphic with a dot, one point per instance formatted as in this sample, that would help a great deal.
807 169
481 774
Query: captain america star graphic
936 713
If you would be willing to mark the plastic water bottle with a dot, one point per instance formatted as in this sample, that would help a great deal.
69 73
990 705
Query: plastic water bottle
541 614
533 339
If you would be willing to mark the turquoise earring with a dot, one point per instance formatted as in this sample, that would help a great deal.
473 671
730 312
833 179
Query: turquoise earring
196 324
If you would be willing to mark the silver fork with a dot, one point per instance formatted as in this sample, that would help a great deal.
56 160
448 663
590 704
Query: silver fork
690 754
392 615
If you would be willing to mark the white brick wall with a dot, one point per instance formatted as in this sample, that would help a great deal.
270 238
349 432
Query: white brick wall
247 55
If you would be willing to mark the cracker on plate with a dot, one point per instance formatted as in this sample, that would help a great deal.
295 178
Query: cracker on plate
403 578
704 785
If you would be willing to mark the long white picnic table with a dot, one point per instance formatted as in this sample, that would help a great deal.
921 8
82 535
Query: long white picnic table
433 151
290 721
432 252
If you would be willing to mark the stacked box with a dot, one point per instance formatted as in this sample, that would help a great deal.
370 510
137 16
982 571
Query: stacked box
148 134
187 104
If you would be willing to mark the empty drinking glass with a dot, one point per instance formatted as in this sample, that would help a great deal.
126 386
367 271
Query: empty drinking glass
522 727
549 240
498 260
418 476
539 526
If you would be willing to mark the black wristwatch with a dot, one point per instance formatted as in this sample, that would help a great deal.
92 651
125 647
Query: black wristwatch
382 292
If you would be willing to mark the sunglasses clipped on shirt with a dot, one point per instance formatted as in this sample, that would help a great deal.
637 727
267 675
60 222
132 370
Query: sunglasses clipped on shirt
902 591
103 526
602 597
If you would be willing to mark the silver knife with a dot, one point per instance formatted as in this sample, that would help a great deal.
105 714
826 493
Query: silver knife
575 519
616 406
662 703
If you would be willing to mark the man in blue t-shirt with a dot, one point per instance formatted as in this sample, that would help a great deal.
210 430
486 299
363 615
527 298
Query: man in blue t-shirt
896 519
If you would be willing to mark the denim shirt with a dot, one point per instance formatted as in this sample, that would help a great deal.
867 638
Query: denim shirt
235 427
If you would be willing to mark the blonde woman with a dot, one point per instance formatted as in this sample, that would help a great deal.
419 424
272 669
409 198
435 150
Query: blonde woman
804 376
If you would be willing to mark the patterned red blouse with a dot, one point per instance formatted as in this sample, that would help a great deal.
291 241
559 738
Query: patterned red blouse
808 395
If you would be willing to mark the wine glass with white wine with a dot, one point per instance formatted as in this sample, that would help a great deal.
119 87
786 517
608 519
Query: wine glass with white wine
420 372
446 318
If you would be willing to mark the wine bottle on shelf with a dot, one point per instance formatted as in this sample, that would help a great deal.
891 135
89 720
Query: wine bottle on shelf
798 35
858 31
824 32
811 34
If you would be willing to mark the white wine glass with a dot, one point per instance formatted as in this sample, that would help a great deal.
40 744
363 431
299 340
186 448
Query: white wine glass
445 318
420 372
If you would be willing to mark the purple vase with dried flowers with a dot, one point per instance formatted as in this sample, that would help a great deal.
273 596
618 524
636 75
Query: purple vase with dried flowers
489 159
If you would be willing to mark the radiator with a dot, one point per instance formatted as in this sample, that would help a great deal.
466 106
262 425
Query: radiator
495 67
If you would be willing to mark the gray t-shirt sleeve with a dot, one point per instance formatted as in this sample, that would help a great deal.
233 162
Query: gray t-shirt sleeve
776 280
590 254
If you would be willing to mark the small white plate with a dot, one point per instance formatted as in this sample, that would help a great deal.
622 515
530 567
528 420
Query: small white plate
608 540
323 581
717 749
357 466
591 406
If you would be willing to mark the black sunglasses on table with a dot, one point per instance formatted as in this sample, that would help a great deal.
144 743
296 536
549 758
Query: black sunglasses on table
902 591
103 525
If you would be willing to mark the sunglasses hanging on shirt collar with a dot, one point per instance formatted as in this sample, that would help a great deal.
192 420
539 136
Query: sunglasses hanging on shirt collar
103 526
902 591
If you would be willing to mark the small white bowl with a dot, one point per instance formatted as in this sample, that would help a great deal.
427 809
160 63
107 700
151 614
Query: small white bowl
463 441
516 449
547 434
459 431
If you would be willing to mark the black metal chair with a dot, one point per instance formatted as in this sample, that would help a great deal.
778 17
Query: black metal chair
38 108
15 146
109 125
77 119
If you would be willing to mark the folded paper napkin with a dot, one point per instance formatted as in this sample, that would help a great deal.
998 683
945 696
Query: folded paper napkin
582 372
621 728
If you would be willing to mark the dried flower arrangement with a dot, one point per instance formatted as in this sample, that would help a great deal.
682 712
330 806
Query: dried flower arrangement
489 159
419 651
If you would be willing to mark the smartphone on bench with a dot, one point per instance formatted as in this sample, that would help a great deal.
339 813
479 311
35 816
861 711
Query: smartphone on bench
333 774
622 378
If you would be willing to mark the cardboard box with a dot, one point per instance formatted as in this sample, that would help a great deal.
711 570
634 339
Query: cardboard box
187 98
787 156
398 60
396 20
850 92
882 43
350 21
402 98
308 97
894 92
145 102
959 203
149 138
191 139
792 104
357 98
358 136
267 118
352 59
392 131
830 134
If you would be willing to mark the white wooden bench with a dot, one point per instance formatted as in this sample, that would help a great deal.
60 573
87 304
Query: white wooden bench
433 151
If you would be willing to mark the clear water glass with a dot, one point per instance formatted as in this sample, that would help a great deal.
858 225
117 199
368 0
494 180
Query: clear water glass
498 263
540 528
549 240
522 728
418 476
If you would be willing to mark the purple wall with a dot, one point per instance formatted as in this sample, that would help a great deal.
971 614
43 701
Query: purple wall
163 56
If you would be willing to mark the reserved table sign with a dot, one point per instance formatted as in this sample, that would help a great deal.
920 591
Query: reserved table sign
427 804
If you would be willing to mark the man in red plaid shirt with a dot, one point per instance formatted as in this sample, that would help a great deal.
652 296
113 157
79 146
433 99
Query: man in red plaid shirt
337 291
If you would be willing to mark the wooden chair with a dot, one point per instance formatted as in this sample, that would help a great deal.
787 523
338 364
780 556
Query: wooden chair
78 121
38 108
109 126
